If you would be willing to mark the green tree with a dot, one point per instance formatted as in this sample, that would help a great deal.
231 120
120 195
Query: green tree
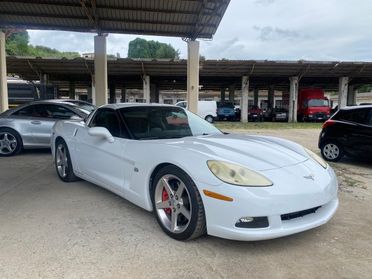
17 43
141 48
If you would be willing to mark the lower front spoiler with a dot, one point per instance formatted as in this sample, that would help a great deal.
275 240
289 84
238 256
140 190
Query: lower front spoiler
277 227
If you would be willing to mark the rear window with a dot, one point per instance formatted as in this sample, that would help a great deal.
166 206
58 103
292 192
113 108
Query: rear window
359 116
225 105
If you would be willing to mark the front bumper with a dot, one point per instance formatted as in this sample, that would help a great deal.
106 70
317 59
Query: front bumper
289 194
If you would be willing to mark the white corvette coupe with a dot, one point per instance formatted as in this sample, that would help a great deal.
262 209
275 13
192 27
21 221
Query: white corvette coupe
195 178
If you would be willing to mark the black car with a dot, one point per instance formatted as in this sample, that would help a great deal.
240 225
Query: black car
347 132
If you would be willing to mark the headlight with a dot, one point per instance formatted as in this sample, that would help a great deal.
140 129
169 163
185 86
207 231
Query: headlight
237 175
316 158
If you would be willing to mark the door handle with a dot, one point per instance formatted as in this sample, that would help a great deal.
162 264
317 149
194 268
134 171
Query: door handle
36 122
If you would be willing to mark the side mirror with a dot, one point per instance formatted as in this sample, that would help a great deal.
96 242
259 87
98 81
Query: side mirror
101 132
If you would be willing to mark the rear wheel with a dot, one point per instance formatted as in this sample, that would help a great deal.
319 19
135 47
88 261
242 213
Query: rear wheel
177 204
332 152
10 142
63 162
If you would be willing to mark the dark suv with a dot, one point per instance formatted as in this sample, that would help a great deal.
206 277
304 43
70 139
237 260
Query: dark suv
347 132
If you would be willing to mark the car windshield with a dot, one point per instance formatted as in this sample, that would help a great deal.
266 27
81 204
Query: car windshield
145 123
225 105
317 103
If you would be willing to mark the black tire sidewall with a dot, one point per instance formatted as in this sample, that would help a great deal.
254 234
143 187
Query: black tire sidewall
15 134
193 192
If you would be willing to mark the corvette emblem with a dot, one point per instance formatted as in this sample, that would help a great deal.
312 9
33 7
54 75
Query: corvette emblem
310 176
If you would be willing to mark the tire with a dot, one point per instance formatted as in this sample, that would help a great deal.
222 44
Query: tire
332 151
184 206
62 161
10 142
209 118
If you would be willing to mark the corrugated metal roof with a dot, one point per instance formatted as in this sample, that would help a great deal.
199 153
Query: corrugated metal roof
180 18
213 73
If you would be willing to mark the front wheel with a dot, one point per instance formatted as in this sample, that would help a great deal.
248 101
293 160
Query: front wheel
332 152
63 162
209 118
10 142
177 204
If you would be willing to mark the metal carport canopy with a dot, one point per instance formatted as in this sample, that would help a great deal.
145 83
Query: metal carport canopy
190 19
179 18
213 73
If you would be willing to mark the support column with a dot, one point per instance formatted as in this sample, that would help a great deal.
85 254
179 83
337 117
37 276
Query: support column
3 81
123 94
293 99
223 94
232 93
146 88
156 93
43 86
343 85
270 97
100 70
255 97
112 89
351 96
71 90
244 99
193 75
92 92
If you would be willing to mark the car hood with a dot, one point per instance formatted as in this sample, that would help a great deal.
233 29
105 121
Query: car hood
258 153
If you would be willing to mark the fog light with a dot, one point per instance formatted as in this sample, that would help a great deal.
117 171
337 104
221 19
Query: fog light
252 222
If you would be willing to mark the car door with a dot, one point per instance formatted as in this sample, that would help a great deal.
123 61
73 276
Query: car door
99 159
21 120
368 132
45 115
358 132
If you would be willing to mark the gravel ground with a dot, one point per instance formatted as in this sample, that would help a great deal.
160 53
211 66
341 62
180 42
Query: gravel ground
50 229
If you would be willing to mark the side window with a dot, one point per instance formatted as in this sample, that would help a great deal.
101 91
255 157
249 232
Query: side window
58 112
26 111
108 119
357 116
369 118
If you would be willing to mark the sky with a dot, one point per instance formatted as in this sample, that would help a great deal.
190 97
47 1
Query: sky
336 30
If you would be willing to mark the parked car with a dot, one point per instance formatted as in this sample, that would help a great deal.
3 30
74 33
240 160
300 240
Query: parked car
255 114
279 114
226 111
348 132
238 112
30 126
206 109
195 178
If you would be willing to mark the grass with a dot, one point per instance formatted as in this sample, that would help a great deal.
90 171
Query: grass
224 125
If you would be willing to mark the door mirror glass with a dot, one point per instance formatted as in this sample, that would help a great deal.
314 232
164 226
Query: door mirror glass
101 132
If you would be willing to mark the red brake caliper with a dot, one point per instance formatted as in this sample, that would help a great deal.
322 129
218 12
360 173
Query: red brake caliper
165 197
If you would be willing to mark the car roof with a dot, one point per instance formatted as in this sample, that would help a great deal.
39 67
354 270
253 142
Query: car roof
356 107
130 105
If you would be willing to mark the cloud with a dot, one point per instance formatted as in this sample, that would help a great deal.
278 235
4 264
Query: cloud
268 33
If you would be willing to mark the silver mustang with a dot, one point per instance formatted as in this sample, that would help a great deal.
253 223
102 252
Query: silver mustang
30 126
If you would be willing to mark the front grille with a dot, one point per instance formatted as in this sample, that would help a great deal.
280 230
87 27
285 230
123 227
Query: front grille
320 115
302 213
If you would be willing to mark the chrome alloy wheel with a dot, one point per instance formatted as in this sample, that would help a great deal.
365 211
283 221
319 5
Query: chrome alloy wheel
331 151
61 160
173 203
8 143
